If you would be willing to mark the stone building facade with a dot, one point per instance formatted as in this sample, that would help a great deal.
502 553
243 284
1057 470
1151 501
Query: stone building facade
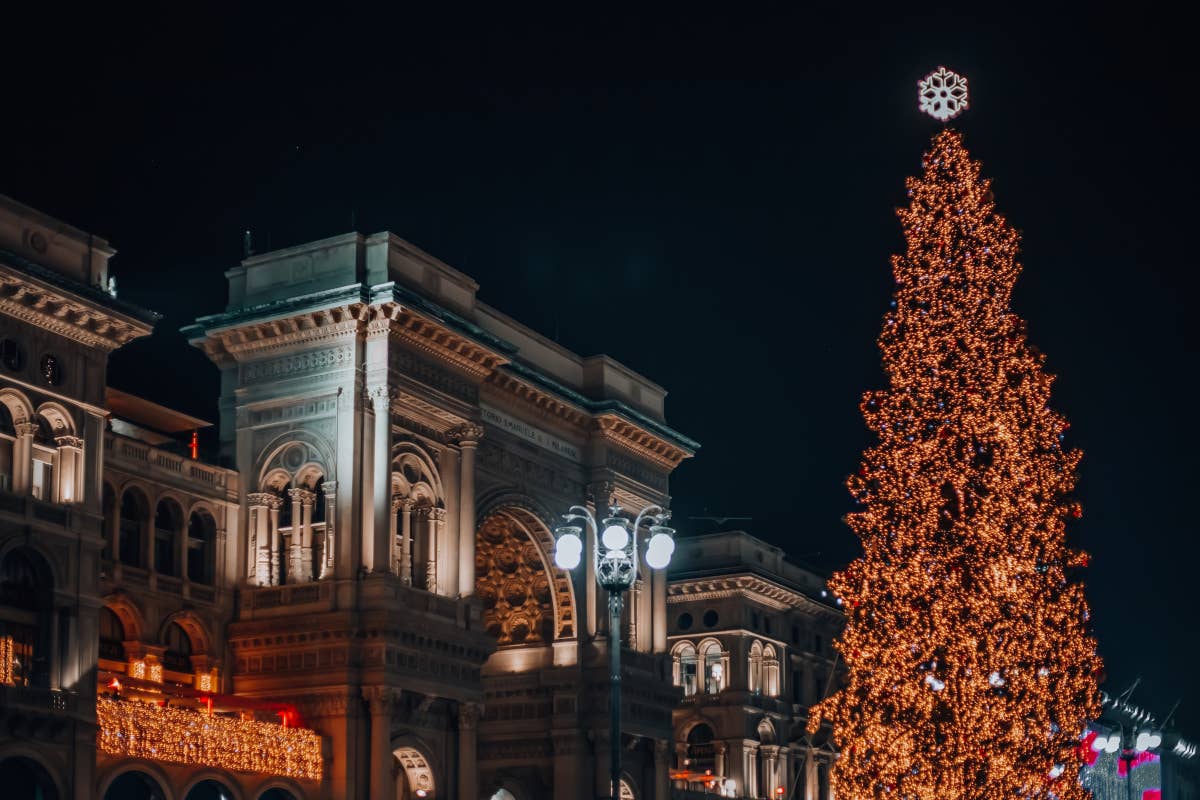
751 637
358 597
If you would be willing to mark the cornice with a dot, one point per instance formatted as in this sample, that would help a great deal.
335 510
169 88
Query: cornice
639 441
752 587
62 312
258 339
443 343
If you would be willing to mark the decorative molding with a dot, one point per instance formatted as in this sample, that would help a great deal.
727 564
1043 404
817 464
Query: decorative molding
525 472
408 365
444 344
639 442
468 434
746 586
256 339
58 312
298 364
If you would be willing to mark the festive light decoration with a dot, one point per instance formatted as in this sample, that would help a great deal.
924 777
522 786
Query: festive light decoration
6 661
971 669
184 736
942 94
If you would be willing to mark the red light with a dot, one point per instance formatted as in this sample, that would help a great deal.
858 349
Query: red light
779 791
194 445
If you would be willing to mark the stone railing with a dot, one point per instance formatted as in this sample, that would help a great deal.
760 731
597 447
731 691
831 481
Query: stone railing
121 448
26 698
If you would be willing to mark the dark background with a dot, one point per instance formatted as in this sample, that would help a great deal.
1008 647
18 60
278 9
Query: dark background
708 198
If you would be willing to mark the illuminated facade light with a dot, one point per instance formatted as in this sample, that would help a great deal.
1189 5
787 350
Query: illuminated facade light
183 736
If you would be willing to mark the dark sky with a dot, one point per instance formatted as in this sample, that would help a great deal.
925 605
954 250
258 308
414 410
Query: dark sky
726 236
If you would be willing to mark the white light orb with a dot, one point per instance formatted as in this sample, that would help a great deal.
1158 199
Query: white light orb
568 551
1057 770
1099 743
1155 740
659 551
1113 744
615 537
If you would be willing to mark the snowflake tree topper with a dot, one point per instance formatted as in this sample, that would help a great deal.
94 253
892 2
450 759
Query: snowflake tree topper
943 94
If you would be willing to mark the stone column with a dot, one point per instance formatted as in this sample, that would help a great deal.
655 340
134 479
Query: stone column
259 554
294 574
719 759
662 769
751 779
771 779
276 540
379 559
658 600
68 472
393 535
468 769
405 505
437 529
380 699
23 457
468 436
329 551
307 501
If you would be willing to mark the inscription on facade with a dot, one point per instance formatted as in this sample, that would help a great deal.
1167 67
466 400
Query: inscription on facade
527 432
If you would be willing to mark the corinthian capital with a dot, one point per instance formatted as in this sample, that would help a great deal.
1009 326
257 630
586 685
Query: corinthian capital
26 428
263 500
381 699
68 441
381 396
305 496
467 434
469 715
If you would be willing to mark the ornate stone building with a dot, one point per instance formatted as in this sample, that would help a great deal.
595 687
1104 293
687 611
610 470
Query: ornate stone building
358 598
751 639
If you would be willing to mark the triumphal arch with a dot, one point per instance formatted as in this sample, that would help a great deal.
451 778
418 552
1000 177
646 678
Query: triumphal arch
404 450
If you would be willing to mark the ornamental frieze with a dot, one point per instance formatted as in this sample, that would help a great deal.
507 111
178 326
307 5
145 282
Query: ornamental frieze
526 472
633 468
406 363
285 413
298 364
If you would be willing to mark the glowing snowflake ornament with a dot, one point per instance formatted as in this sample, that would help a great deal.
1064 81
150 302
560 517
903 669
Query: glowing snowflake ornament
943 94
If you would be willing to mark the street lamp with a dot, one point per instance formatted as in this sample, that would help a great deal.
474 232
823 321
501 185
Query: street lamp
616 557
1130 746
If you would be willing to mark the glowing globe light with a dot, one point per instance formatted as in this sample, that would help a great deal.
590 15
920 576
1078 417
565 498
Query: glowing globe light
568 551
1099 743
1155 740
659 550
615 537
1113 744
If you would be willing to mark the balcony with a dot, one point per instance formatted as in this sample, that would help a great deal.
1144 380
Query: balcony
178 735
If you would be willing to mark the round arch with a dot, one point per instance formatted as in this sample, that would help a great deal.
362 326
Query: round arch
193 626
42 562
417 769
517 581
28 767
277 789
765 731
211 784
414 469
292 451
60 419
19 407
126 609
136 780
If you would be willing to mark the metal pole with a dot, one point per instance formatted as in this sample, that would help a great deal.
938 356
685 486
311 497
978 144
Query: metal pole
614 691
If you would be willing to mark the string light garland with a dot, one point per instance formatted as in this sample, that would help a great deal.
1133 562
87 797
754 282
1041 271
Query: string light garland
184 736
7 674
971 667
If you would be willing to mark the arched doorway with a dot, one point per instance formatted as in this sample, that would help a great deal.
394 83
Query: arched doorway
25 778
26 598
134 785
415 778
209 790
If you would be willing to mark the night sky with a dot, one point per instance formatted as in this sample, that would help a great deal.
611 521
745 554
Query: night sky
728 238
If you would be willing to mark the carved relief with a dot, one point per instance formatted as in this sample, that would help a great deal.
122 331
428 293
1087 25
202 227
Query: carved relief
298 364
526 472
513 584
635 469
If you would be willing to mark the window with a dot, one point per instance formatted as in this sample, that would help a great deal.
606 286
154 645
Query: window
201 533
11 355
43 477
112 635
684 668
167 524
755 668
714 668
684 622
710 619
770 672
133 519
51 370
178 656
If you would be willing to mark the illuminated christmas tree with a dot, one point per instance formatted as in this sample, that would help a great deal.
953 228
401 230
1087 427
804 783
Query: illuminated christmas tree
971 669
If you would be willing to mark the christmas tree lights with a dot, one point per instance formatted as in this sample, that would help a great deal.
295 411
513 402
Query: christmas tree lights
971 668
184 736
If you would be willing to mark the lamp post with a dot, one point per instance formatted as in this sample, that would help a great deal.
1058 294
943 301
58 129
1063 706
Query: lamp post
1130 747
616 557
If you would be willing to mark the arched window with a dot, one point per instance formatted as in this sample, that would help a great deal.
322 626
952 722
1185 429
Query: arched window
178 655
683 667
112 635
8 435
715 676
134 513
202 534
754 668
770 672
23 777
44 449
209 790
168 522
134 786
25 600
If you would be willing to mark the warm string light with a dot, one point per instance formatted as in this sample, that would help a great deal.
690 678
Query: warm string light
971 668
184 736
6 661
